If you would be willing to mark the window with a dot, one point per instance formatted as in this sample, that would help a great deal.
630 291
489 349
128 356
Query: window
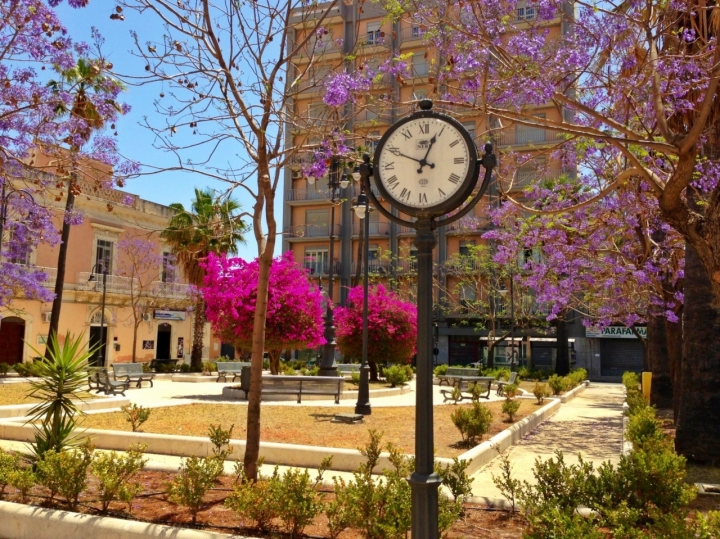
526 134
104 256
470 126
468 295
317 111
21 255
419 94
466 247
420 67
316 222
316 261
417 32
373 33
526 13
168 268
529 172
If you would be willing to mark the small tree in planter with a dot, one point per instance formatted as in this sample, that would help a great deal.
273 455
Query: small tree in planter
392 327
294 311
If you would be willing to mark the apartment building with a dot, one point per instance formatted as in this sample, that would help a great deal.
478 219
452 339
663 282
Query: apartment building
357 36
110 216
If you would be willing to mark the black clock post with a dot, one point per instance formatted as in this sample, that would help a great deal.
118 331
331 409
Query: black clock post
425 128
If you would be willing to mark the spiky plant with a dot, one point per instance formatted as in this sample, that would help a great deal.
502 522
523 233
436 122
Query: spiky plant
62 378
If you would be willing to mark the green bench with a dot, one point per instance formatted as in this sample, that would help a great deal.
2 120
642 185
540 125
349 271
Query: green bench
226 368
132 372
454 373
101 382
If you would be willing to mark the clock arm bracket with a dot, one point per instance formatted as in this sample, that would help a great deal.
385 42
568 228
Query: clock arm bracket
376 203
489 162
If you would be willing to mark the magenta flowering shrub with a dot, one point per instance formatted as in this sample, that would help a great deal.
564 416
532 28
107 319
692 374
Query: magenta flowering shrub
392 326
294 313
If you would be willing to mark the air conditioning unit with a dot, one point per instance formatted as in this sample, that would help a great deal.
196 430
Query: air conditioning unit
297 174
147 317
46 317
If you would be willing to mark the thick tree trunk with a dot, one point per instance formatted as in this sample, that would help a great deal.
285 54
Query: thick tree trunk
60 279
198 331
698 426
373 370
274 356
658 363
562 361
491 354
674 333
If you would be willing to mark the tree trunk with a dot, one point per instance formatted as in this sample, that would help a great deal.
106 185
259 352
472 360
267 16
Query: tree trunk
562 361
658 362
134 350
60 279
373 370
491 353
698 426
274 356
674 333
198 331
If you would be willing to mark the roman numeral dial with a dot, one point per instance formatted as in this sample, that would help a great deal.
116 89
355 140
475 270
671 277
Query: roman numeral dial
424 162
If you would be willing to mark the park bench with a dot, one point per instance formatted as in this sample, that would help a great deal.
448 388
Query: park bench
226 368
132 372
483 381
511 381
155 363
296 385
456 372
100 381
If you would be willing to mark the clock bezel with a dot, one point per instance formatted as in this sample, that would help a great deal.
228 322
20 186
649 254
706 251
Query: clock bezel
466 186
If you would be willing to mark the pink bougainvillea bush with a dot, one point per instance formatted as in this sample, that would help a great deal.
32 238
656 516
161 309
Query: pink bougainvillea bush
392 327
294 314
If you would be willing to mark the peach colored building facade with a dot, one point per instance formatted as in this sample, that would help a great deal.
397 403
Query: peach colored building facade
165 315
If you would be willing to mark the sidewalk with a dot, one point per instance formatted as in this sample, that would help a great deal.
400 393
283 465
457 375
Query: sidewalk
590 424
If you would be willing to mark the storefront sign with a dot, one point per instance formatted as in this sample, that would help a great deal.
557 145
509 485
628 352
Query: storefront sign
615 332
170 315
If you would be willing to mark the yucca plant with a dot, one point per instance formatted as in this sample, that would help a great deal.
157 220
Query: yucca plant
62 378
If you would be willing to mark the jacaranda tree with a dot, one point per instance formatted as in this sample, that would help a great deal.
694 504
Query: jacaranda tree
294 311
392 327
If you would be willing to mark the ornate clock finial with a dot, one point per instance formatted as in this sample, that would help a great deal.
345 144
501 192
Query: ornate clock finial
426 104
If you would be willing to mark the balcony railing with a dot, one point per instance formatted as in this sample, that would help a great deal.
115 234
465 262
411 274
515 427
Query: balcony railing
406 230
50 273
469 223
420 70
374 266
525 136
407 266
383 116
377 228
116 284
298 195
375 39
464 267
320 268
409 34
310 231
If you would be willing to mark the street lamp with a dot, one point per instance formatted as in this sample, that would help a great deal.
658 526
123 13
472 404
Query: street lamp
4 199
101 350
336 181
362 210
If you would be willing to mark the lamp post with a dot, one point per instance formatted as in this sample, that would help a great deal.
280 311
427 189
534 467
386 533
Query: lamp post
101 350
362 210
336 182
4 199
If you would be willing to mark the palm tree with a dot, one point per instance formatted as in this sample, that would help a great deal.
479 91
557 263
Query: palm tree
82 79
210 227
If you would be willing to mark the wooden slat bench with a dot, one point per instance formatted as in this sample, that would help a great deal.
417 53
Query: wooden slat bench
132 372
485 381
297 385
100 380
225 368
456 372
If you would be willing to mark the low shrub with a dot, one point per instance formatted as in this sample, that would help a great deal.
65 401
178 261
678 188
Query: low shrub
557 384
65 472
636 402
209 367
355 378
541 391
115 473
23 479
299 501
440 370
257 500
398 375
477 391
511 391
8 464
26 369
455 478
473 422
505 482
631 381
220 440
643 427
499 373
510 407
194 479
184 367
4 369
136 415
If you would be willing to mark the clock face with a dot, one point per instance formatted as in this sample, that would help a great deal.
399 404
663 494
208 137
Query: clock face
425 162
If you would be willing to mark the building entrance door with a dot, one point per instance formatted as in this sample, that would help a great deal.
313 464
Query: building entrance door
163 342
98 340
12 333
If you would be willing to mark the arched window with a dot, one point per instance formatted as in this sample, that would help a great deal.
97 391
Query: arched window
95 320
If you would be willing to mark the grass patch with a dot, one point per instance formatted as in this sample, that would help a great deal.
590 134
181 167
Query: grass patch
17 393
310 425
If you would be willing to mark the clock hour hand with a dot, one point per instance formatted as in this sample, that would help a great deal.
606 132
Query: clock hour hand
423 162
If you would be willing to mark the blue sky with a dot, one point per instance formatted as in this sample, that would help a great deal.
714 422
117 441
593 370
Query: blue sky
135 141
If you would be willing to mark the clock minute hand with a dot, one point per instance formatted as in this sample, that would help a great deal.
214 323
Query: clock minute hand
423 161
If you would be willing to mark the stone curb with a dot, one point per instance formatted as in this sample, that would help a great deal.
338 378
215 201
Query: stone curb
101 403
30 522
570 395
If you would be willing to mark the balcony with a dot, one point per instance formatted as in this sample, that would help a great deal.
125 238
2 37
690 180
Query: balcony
314 12
375 39
50 273
310 231
377 228
116 284
305 195
407 266
406 230
411 34
469 224
528 136
375 117
320 267
381 267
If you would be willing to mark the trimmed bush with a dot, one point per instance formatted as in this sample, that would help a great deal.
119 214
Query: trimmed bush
398 375
541 391
115 472
472 422
510 407
440 370
557 384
